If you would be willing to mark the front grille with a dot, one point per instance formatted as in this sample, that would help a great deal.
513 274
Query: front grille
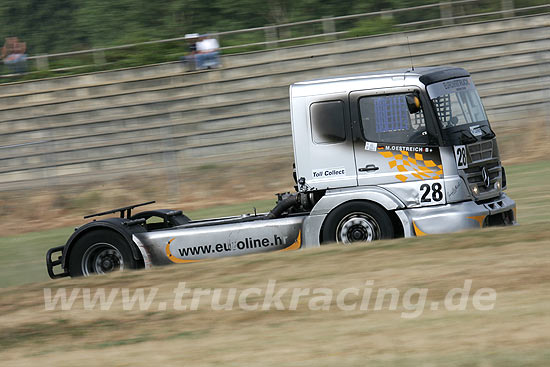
483 154
480 151
474 176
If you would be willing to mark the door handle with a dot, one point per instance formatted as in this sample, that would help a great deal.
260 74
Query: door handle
368 168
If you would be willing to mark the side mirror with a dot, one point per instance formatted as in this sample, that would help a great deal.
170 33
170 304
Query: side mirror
413 103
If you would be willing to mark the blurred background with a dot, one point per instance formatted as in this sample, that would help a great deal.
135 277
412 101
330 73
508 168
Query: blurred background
100 112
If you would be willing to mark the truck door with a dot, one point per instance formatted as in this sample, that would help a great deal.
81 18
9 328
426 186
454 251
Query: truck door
323 141
394 148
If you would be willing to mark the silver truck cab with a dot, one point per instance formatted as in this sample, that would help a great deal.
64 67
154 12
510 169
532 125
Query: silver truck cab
434 170
381 155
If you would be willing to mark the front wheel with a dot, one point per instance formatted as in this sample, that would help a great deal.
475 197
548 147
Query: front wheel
100 252
357 221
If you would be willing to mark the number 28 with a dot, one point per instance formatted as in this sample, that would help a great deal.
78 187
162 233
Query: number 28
435 189
461 157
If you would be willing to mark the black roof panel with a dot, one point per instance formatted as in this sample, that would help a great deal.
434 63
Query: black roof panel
442 73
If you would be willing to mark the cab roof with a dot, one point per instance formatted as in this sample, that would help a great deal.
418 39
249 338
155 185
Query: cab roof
377 79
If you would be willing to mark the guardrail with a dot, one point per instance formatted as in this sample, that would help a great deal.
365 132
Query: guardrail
272 33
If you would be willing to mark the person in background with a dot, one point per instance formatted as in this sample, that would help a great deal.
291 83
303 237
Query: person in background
13 55
189 60
207 55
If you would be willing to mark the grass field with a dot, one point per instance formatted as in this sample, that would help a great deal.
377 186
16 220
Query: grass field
513 261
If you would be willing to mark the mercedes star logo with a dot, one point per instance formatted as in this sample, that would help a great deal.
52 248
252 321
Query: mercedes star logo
485 176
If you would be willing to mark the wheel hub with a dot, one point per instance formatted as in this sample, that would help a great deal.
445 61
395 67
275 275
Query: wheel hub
357 227
101 258
357 234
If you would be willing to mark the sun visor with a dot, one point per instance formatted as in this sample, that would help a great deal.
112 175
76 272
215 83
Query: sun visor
445 73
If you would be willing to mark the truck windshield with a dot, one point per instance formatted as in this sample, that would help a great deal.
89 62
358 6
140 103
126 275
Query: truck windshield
460 110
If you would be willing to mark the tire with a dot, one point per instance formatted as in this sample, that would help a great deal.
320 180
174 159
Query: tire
357 221
99 252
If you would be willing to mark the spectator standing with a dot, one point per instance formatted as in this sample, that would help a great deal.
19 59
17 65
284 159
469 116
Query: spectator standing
207 55
13 55
189 60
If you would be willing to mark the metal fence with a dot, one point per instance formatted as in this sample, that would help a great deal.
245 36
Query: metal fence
441 13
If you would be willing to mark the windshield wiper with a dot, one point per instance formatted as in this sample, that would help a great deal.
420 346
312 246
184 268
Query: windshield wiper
487 135
466 137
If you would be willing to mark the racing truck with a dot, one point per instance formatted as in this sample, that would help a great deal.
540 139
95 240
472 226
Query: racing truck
377 156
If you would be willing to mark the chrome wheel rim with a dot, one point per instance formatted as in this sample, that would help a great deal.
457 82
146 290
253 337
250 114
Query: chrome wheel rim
101 258
357 227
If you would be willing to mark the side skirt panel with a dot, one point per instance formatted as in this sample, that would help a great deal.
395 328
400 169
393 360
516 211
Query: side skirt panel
187 245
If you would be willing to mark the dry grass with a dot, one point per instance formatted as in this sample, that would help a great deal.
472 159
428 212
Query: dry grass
206 186
202 187
526 141
513 261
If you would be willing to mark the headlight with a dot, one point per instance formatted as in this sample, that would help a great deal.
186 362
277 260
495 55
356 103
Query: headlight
475 190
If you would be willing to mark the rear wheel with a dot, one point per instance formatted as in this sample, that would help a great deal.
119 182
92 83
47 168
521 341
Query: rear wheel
357 221
100 252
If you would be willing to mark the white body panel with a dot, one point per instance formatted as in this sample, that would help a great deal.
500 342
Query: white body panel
322 165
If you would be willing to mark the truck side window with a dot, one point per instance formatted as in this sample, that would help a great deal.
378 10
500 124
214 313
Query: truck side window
386 119
327 122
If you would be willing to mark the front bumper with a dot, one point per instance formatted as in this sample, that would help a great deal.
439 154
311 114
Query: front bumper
461 216
51 264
